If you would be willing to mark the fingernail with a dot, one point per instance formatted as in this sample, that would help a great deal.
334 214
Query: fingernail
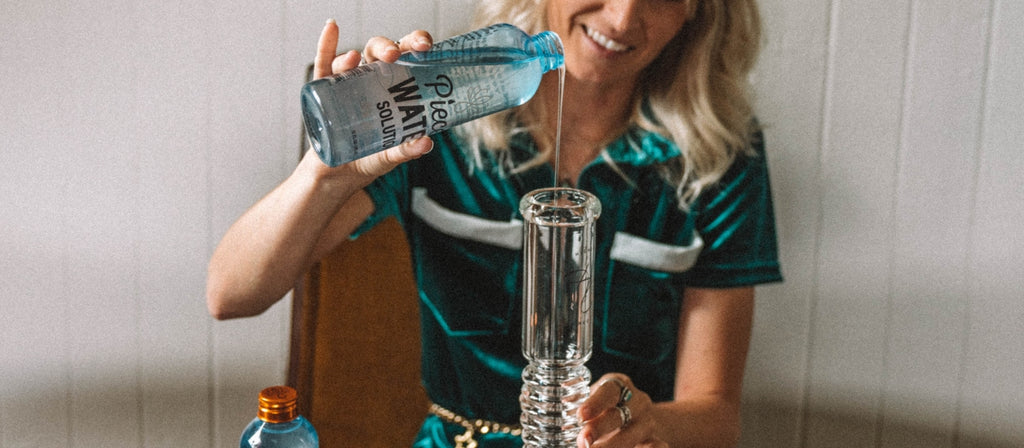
585 438
331 21
410 146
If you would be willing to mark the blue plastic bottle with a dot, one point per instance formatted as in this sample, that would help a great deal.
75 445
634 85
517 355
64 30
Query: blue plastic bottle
380 105
278 423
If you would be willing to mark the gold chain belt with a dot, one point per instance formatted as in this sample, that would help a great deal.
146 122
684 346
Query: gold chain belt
473 427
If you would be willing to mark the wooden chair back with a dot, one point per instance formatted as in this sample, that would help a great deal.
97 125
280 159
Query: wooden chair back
355 342
355 350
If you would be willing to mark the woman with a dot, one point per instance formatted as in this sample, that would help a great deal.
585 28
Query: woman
657 124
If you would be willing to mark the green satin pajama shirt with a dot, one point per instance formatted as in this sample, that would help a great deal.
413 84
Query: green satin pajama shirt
465 234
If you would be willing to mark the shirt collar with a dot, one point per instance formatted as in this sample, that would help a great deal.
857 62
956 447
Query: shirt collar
641 147
636 146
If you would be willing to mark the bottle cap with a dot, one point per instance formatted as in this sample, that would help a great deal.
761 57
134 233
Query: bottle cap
278 404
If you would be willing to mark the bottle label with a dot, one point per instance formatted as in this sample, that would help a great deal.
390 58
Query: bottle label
406 115
414 109
472 39
402 117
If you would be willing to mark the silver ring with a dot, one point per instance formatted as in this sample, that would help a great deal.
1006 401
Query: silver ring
398 43
625 414
625 395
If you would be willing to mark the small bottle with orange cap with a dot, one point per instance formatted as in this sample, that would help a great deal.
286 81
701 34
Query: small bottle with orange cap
278 423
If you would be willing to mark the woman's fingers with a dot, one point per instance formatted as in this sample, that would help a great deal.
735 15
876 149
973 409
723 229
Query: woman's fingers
326 47
609 431
600 426
604 395
653 444
617 414
418 40
345 62
380 163
381 48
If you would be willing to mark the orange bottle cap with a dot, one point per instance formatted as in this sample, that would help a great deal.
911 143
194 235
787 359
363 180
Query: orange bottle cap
278 404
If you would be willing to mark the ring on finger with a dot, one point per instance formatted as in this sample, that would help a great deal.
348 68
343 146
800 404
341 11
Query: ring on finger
625 414
625 395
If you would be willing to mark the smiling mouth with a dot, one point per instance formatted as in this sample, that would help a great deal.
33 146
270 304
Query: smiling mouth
605 41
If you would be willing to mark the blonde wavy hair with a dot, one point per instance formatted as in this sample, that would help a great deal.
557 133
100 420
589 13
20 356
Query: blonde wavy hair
696 93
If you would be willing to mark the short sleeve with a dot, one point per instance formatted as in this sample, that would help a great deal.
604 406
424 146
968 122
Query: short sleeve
736 220
391 197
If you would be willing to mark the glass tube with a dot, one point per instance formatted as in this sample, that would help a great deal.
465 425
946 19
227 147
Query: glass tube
558 254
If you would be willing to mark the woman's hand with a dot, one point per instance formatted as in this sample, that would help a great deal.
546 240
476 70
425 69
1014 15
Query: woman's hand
316 208
378 48
328 62
618 415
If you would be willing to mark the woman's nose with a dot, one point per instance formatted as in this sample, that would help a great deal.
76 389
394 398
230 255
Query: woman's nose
623 13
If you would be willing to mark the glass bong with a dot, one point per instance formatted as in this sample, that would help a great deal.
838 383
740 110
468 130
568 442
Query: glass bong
558 264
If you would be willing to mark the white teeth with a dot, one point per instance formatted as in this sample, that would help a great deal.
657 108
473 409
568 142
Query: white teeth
604 41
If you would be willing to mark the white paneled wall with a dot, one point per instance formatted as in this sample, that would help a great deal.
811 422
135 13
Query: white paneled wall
893 128
132 133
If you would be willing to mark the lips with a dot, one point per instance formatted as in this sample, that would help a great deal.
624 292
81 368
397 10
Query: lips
605 41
